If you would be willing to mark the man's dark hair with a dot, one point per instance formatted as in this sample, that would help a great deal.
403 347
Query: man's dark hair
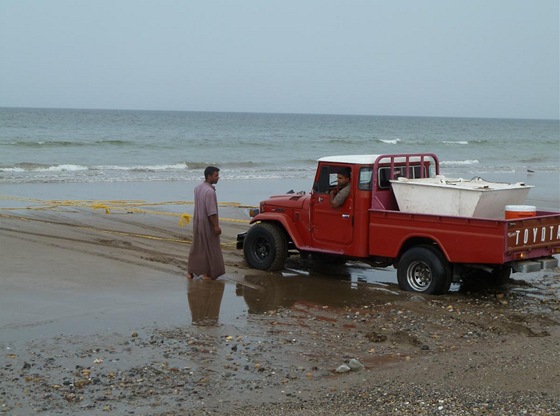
209 171
344 172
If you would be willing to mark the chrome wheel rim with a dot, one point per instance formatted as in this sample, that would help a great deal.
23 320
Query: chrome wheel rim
419 276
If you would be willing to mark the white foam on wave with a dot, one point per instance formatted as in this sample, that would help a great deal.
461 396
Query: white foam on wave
143 168
54 168
390 141
459 162
463 142
61 168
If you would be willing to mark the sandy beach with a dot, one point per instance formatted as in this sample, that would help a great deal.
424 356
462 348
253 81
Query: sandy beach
97 317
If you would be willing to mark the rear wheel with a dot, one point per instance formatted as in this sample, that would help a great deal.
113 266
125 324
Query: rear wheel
500 277
265 247
424 269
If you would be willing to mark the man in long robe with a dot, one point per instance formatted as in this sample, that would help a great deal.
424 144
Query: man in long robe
205 256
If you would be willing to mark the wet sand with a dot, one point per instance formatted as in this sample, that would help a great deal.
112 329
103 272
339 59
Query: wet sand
97 317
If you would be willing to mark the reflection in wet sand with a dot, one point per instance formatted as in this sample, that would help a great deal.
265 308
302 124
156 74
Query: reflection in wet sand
264 293
355 284
316 283
205 299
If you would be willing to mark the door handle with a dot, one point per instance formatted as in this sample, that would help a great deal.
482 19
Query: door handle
345 216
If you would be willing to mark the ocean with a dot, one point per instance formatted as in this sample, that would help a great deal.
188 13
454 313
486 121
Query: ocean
39 146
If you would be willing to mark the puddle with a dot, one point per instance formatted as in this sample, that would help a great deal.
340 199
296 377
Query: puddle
356 284
335 286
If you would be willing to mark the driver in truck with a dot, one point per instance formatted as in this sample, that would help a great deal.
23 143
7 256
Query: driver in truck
339 194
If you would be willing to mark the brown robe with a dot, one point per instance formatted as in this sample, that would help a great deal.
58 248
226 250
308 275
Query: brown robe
205 256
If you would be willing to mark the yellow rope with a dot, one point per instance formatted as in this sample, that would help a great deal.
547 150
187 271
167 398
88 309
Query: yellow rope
85 227
131 206
184 220
231 244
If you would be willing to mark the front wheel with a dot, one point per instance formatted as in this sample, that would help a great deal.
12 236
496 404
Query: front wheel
265 247
424 269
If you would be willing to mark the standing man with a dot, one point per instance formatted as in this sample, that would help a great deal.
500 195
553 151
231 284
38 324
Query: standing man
205 256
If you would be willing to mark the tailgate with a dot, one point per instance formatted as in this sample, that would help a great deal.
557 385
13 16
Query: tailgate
533 237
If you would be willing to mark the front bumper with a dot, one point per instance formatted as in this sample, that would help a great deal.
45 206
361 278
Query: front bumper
240 240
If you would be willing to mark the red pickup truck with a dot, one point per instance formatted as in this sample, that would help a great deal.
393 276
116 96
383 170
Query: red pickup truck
429 251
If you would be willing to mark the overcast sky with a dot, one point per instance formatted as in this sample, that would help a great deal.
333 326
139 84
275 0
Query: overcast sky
475 58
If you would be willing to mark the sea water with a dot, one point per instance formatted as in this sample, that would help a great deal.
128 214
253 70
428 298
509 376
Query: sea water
39 146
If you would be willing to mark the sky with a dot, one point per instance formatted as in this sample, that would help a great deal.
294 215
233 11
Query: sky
448 58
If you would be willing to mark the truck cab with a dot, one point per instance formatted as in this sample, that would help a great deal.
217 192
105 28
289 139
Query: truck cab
344 230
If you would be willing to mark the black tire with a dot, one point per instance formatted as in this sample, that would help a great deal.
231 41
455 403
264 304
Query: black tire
424 269
500 277
265 247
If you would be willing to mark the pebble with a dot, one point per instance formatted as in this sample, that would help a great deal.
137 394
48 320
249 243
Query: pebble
344 368
355 365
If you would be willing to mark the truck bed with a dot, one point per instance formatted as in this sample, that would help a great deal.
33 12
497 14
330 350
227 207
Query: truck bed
466 239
